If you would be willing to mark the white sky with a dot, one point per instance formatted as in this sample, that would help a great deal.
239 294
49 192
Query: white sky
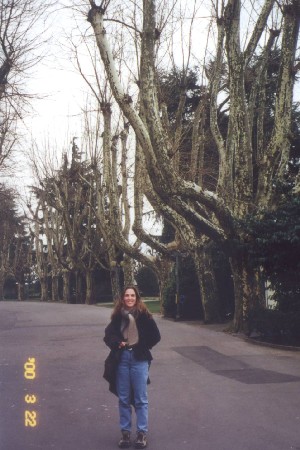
55 115
58 83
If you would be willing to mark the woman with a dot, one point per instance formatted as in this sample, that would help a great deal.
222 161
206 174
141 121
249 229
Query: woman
131 334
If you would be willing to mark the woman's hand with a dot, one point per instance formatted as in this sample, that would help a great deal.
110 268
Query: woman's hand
122 344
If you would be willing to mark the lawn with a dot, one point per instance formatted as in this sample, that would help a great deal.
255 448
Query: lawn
153 304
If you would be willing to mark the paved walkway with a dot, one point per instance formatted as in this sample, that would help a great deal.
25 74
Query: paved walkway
209 390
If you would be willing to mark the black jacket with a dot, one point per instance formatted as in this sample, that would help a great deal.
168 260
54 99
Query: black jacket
149 336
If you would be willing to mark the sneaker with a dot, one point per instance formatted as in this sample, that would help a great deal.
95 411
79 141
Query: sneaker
125 440
141 440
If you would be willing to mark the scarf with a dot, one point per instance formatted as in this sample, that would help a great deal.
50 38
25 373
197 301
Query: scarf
128 326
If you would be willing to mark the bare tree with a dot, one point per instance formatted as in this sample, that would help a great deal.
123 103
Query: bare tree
21 30
194 210
66 219
112 162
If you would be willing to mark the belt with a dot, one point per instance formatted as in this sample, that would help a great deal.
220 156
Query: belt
129 347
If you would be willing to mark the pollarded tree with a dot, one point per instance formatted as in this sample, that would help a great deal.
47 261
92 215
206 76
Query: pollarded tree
113 163
195 152
194 210
112 187
67 217
40 249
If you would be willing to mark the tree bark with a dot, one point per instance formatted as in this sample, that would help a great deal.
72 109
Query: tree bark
208 285
66 286
249 292
127 265
2 280
89 287
44 289
191 209
78 287
115 282
21 291
163 270
54 285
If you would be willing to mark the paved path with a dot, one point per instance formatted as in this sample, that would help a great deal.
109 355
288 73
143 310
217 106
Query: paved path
209 390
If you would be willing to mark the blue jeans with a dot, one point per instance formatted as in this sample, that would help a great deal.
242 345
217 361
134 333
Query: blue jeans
132 376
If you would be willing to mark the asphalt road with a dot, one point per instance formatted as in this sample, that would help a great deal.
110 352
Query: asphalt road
209 390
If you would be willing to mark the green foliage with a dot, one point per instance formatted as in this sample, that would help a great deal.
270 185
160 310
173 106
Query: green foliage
169 296
277 238
274 244
10 220
224 282
172 86
276 326
189 293
147 282
172 83
168 232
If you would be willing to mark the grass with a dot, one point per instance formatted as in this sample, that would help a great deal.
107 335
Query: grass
153 304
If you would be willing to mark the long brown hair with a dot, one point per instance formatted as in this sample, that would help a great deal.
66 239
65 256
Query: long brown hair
140 305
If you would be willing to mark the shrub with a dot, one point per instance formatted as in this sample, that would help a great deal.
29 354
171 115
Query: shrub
276 326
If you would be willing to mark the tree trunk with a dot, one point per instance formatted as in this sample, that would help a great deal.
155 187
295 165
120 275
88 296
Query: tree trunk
115 282
208 285
66 288
164 269
21 292
44 289
55 294
128 271
248 292
187 205
78 287
89 287
2 279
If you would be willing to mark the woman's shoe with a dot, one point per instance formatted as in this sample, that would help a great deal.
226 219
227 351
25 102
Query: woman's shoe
125 440
141 440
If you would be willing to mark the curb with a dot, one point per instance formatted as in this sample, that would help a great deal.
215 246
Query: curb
269 344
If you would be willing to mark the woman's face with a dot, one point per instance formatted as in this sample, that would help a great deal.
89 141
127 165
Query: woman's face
129 298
